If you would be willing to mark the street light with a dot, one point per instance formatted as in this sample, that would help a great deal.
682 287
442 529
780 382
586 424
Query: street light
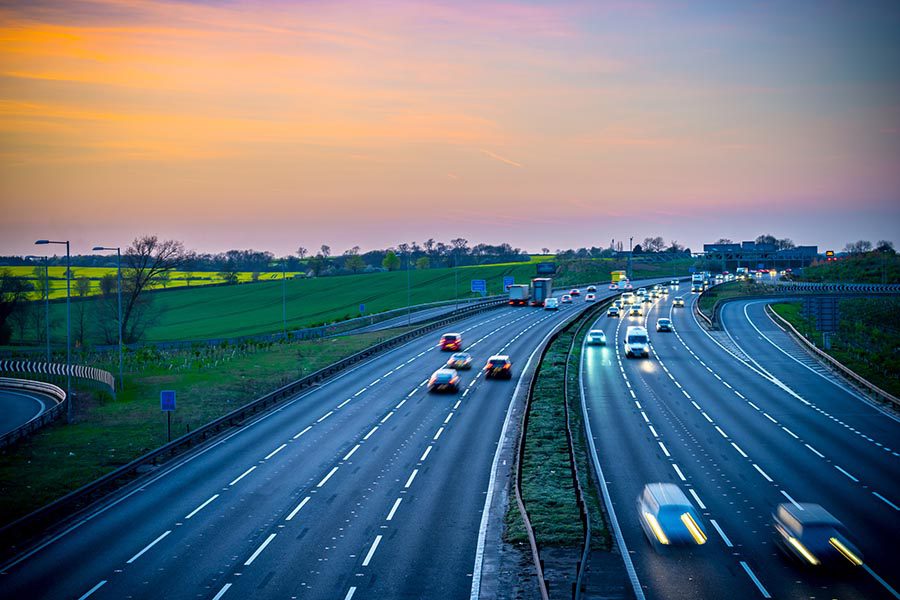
408 316
119 291
70 412
283 301
46 299
631 239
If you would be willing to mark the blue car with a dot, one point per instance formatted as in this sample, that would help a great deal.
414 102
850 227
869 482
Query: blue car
668 517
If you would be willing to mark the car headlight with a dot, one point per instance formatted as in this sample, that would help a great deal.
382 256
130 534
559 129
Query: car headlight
656 529
845 551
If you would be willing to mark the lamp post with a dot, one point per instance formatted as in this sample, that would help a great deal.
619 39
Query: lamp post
119 292
46 299
70 412
283 300
631 239
408 316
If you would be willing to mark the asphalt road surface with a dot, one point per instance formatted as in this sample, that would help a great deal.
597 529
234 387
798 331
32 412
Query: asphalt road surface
17 407
742 420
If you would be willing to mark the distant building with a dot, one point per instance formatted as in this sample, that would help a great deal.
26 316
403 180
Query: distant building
759 256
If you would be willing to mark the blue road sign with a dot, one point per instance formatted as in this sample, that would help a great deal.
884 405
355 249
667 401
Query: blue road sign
362 309
167 400
508 281
479 285
692 270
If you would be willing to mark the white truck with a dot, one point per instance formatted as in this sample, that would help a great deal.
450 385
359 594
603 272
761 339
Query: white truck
637 342
519 295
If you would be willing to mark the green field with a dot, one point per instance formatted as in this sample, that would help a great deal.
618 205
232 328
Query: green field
94 274
256 308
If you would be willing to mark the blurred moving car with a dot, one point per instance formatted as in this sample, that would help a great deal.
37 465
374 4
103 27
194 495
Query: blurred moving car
637 342
635 311
813 536
551 304
665 291
451 342
460 361
444 380
664 324
575 292
592 288
678 302
628 285
647 300
612 311
498 367
596 337
614 286
668 517
590 297
674 283
566 299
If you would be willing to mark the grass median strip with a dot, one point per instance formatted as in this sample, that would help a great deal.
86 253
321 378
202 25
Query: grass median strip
547 486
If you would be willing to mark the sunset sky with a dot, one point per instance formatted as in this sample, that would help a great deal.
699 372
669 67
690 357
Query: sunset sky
269 125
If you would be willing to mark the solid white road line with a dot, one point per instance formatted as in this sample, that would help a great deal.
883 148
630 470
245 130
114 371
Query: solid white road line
349 454
425 454
325 416
301 433
447 420
147 547
738 448
761 472
350 593
886 501
846 473
296 510
222 591
374 547
260 549
387 416
722 433
792 501
680 474
790 433
411 477
721 533
881 581
393 509
368 435
201 507
697 498
244 474
327 477
275 451
93 589
664 449
438 434
816 452
752 575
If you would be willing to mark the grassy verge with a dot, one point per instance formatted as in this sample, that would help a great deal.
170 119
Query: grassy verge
547 487
109 433
732 289
866 341
872 267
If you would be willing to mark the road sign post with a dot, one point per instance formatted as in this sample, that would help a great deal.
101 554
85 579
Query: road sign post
508 281
167 405
480 286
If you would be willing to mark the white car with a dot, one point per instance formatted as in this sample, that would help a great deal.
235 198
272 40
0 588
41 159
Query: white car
590 297
596 337
637 342
551 304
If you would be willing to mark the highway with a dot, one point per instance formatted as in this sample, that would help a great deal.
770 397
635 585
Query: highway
742 420
19 407
365 487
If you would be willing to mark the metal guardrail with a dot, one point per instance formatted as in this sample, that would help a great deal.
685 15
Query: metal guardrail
852 288
59 369
876 392
38 421
520 457
14 534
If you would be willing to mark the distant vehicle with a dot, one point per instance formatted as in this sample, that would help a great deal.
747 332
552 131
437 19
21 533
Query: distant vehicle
696 288
635 310
541 289
619 276
519 294
628 298
647 300
664 324
575 292
637 342
444 380
678 302
741 273
668 517
641 292
697 279
612 311
664 291
498 367
596 337
628 285
551 304
812 535
460 361
566 299
590 297
592 288
451 342
674 283
619 304
614 286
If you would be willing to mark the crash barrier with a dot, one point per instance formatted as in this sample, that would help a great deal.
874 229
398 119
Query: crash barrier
59 370
15 536
58 395
865 385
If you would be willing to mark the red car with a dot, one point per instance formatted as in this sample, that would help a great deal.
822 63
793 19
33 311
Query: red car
451 342
575 292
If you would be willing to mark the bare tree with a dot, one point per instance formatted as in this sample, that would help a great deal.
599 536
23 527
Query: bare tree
858 247
146 261
545 250
326 250
302 252
885 246
724 241
654 244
